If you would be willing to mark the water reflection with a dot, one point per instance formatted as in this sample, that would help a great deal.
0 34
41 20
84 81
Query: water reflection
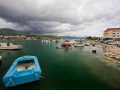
67 48
0 63
79 48
8 52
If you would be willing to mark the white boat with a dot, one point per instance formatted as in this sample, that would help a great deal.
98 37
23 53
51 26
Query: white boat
10 46
73 42
79 45
87 44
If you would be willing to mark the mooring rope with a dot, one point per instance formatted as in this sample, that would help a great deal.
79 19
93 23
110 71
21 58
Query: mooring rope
10 81
37 76
41 76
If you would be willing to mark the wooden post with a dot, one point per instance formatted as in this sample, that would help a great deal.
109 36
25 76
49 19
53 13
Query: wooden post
93 51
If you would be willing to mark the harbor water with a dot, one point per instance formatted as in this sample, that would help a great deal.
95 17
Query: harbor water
71 68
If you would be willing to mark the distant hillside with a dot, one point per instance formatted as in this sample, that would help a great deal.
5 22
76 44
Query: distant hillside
11 32
71 37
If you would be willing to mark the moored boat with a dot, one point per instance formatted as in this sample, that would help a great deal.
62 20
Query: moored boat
79 45
10 46
24 69
87 44
66 44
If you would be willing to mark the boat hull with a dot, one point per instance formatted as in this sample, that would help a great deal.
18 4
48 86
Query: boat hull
65 45
14 77
10 46
79 45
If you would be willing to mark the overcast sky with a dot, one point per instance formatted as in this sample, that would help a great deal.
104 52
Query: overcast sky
60 17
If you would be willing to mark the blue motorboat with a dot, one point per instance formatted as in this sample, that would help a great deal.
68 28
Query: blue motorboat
23 70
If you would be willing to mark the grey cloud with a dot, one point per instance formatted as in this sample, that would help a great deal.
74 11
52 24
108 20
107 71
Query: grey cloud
61 16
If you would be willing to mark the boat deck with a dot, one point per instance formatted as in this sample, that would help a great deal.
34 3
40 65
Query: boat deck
25 65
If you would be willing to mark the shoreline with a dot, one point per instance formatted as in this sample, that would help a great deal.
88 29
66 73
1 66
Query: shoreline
110 52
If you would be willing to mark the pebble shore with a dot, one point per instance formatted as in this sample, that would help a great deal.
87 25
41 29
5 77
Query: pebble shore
110 52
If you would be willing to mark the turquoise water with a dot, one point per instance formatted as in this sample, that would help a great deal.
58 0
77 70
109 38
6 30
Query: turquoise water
64 69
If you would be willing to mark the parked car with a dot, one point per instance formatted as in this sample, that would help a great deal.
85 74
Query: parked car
108 41
113 43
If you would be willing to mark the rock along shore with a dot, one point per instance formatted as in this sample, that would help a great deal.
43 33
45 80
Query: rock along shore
110 52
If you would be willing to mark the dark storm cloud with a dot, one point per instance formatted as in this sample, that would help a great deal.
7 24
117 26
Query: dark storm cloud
60 17
10 17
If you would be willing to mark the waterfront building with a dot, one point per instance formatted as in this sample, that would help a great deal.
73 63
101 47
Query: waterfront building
111 33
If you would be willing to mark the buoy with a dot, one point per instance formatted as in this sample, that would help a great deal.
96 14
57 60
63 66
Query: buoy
93 51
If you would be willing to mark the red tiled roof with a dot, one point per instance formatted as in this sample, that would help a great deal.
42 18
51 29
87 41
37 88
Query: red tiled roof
111 29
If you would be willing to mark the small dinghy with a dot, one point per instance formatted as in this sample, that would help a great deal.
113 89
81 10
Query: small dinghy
24 69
